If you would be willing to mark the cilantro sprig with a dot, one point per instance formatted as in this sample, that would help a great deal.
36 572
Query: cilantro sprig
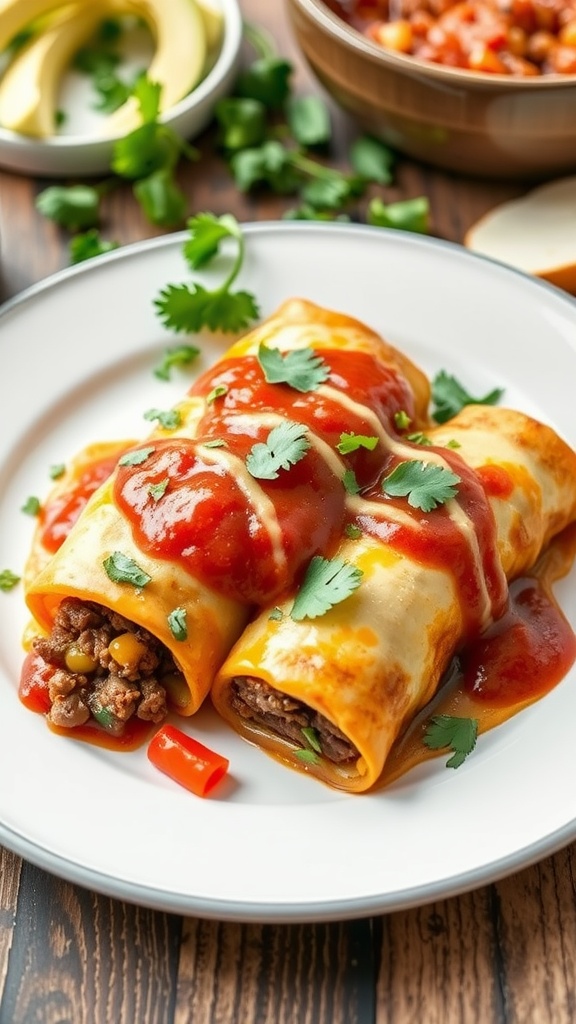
8 580
457 734
449 396
190 307
120 568
327 582
425 485
352 442
285 445
302 369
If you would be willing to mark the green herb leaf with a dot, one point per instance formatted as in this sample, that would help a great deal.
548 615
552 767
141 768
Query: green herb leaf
373 160
418 438
73 206
449 396
302 369
56 471
285 445
122 569
182 355
459 734
162 201
426 485
87 245
267 80
308 120
352 442
177 624
405 215
242 123
311 737
276 614
218 392
136 458
329 192
327 582
402 420
217 442
206 233
269 164
157 491
31 506
169 419
352 531
351 485
307 756
8 580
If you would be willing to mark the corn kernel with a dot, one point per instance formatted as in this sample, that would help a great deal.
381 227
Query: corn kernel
127 650
78 661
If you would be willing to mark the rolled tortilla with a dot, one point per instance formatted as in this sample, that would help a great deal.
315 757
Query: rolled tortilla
182 528
358 674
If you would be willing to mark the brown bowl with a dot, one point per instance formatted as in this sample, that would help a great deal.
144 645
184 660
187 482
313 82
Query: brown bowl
487 125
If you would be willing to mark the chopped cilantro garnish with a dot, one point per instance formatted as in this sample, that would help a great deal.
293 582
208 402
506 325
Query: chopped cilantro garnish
459 734
311 737
218 392
426 485
418 438
157 491
302 369
88 244
31 506
285 445
181 355
327 582
136 458
169 419
57 470
307 756
352 442
402 420
8 579
177 623
352 531
351 485
449 396
122 569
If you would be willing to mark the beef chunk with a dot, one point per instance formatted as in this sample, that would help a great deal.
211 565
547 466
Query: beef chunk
255 700
111 692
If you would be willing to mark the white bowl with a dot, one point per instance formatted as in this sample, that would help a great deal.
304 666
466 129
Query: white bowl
89 152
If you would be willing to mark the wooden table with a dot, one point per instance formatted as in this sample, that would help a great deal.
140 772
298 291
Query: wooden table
504 953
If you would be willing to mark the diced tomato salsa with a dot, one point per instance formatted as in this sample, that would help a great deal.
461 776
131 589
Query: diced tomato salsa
509 37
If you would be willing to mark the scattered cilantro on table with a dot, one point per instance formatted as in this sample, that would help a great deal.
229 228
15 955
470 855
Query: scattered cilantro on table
449 396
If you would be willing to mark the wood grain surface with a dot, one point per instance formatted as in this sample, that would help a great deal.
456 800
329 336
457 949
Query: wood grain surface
504 954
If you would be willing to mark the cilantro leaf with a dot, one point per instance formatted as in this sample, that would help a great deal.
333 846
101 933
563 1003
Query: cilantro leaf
418 438
88 244
242 123
327 582
308 120
267 80
450 396
182 355
157 491
135 458
405 215
190 307
372 159
177 624
426 485
161 199
352 531
57 470
285 445
8 580
459 734
169 419
218 392
351 485
31 506
352 442
311 736
402 420
307 756
72 206
302 369
122 569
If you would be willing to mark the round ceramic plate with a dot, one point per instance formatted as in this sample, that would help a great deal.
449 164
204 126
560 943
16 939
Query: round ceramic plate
76 359
83 146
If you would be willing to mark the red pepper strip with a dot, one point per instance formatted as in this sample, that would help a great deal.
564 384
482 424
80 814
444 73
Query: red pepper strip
187 761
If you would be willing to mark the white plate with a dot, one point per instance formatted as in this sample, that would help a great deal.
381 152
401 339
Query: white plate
83 148
76 354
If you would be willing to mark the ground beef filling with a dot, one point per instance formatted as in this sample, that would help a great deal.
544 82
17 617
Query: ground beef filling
260 703
105 668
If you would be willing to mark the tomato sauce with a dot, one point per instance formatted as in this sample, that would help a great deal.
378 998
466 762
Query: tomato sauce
522 38
61 511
